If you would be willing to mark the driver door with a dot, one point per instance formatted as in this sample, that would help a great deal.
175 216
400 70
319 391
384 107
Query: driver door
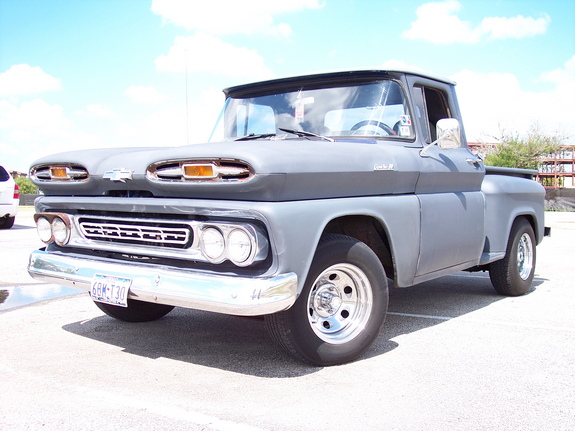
448 188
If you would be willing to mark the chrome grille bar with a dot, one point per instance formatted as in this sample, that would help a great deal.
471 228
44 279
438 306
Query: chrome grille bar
138 234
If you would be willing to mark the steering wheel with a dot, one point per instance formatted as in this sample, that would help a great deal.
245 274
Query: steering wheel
388 130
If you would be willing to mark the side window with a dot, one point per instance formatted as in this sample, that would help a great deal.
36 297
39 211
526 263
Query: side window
431 106
421 112
4 176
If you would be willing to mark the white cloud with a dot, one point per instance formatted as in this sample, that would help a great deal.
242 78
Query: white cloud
517 27
31 120
96 111
139 94
161 128
22 79
494 101
438 23
204 53
169 127
231 16
32 129
563 78
561 102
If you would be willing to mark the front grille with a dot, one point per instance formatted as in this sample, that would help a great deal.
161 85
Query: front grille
138 232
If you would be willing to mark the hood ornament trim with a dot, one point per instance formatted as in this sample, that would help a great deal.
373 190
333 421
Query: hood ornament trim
118 174
200 171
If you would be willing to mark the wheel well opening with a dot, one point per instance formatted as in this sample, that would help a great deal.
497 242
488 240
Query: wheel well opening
369 231
531 220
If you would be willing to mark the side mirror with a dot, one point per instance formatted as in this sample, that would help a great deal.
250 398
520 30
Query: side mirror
449 133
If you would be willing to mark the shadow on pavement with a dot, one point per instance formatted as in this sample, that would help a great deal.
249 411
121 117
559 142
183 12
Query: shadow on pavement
242 345
21 226
214 340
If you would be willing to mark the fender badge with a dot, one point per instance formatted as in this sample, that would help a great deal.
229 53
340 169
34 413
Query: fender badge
120 174
384 167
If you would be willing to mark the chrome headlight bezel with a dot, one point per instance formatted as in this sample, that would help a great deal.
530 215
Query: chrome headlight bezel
239 246
255 244
212 244
57 225
44 230
60 231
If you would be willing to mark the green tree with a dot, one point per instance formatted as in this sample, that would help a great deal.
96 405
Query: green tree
516 151
27 187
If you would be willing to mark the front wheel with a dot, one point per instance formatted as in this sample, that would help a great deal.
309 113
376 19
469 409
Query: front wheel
136 311
341 309
512 275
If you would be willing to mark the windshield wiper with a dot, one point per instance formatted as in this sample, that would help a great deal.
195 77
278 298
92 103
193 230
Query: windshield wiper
255 136
304 134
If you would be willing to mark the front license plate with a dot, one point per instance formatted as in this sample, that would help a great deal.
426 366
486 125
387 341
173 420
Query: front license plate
110 289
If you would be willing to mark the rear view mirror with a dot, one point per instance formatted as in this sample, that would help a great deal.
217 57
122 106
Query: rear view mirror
449 133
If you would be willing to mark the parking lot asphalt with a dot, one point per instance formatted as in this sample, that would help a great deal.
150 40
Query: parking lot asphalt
453 355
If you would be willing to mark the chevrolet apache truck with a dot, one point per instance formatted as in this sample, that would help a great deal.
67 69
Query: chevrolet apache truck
310 194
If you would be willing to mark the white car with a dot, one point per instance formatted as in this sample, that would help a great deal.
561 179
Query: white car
9 196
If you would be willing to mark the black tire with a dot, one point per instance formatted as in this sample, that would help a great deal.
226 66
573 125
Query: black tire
136 311
7 222
341 309
513 275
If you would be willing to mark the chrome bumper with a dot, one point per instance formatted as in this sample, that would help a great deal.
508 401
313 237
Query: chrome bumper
227 294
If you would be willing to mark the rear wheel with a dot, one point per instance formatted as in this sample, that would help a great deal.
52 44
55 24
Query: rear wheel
341 309
136 311
513 275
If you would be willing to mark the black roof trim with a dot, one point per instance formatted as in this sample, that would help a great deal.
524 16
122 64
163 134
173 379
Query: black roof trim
321 79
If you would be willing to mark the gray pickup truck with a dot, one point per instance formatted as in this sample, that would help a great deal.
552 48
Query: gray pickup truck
312 191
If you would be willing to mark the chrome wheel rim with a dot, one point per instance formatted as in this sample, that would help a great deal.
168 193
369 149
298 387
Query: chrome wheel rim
525 256
339 303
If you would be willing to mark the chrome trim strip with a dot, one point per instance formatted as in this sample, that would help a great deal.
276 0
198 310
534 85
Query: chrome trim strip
227 294
74 172
225 170
142 233
79 237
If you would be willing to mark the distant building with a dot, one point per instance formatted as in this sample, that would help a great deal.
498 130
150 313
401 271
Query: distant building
18 174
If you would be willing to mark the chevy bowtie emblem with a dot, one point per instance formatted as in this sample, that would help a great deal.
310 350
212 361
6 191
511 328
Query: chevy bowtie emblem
118 175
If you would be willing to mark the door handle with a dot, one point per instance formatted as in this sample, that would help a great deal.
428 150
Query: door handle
474 162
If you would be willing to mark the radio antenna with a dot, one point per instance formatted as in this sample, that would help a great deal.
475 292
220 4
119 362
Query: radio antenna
187 108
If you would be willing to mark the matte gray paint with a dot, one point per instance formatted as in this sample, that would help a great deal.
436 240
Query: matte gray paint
440 213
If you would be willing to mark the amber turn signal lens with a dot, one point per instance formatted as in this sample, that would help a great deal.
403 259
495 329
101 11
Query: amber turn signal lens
199 171
59 172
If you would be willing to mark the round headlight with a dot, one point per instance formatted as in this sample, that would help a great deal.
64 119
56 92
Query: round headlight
60 231
44 229
212 243
239 246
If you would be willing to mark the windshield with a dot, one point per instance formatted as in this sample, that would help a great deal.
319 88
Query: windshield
375 109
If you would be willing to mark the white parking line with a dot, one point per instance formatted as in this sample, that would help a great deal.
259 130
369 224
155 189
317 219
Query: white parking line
489 321
173 412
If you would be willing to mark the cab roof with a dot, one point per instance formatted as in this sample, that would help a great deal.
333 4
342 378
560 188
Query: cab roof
327 79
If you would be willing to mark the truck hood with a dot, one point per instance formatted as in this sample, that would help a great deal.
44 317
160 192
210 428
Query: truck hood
280 170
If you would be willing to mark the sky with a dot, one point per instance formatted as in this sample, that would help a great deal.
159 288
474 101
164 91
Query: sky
79 74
